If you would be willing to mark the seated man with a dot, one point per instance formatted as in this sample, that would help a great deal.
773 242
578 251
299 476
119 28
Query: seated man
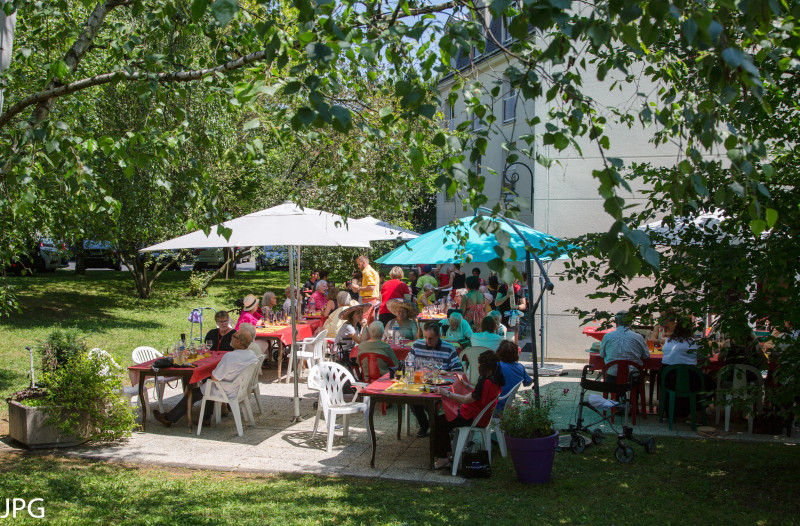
232 365
623 344
375 345
434 349
458 330
220 337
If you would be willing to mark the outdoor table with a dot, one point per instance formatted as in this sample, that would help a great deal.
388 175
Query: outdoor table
596 332
198 371
653 364
281 335
394 392
431 317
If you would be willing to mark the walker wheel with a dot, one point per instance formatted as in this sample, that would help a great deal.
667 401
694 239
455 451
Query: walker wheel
624 454
597 436
577 443
650 445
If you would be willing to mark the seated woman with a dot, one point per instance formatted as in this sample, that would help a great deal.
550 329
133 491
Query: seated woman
333 323
488 336
250 313
405 319
250 329
473 303
318 300
501 329
680 347
287 304
268 302
391 289
458 330
426 297
513 371
486 391
375 345
350 333
333 301
220 337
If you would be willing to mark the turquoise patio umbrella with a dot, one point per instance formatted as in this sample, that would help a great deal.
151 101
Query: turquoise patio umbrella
438 246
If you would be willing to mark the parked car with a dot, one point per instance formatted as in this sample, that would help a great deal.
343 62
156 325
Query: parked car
214 258
45 255
272 258
171 258
99 254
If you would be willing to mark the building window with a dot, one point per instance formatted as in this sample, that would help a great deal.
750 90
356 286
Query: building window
505 36
481 20
477 166
509 102
450 115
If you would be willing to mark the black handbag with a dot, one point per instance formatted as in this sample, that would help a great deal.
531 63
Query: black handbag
475 464
163 362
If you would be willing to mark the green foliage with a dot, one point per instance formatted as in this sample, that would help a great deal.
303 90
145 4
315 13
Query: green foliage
60 346
528 417
8 301
197 284
86 393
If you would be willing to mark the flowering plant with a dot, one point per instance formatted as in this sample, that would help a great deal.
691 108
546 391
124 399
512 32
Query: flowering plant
525 420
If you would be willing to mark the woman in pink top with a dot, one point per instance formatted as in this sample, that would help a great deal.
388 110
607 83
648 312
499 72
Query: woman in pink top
319 299
250 312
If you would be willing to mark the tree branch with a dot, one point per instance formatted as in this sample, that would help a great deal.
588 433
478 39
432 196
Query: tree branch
117 76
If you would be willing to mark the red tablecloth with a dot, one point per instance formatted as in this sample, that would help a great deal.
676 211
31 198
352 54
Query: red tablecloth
450 406
202 368
304 330
400 350
596 332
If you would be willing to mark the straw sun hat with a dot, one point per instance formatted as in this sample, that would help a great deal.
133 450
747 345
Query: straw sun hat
348 312
396 304
249 302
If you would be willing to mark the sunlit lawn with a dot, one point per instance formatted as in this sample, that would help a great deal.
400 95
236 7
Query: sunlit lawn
684 482
105 306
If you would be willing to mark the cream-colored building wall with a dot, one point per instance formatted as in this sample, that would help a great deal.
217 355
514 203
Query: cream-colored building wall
566 202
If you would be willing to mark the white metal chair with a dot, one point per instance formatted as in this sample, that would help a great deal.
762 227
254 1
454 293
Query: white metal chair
740 389
143 354
494 423
332 378
254 387
463 433
312 350
129 392
215 392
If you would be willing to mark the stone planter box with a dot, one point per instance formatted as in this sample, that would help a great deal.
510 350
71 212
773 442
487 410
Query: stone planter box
27 425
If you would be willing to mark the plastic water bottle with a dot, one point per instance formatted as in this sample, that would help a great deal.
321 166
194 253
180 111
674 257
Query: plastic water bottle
181 349
409 367
395 336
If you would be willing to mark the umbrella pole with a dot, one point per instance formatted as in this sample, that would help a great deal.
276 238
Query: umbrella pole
292 288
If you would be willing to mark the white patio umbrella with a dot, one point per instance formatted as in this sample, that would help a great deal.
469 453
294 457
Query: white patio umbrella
391 231
285 224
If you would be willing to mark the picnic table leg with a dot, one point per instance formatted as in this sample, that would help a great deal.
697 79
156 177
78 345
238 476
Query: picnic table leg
280 359
372 405
432 406
142 379
399 419
653 376
187 392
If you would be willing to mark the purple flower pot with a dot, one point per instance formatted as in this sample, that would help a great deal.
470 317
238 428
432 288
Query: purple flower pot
533 457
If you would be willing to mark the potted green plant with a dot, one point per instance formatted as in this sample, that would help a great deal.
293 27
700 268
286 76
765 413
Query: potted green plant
78 400
530 436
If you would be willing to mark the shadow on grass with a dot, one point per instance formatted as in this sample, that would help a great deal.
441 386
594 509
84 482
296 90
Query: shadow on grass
10 379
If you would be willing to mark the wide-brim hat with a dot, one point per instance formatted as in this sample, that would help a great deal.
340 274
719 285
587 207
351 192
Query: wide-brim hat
397 304
249 302
349 311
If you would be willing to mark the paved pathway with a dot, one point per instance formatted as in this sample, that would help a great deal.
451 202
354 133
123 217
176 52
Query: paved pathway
277 445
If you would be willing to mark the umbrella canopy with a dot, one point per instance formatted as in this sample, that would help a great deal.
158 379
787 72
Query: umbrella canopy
391 232
285 224
438 247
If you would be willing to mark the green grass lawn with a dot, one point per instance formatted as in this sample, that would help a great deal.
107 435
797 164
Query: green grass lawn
104 305
684 482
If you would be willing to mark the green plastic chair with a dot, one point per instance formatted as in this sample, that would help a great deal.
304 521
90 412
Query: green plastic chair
682 389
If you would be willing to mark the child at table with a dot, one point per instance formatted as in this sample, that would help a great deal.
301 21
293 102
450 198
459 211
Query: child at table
486 392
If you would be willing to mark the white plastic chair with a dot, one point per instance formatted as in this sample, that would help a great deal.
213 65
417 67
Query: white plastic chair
740 389
469 359
254 388
215 393
463 433
129 392
312 350
332 378
494 423
143 354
